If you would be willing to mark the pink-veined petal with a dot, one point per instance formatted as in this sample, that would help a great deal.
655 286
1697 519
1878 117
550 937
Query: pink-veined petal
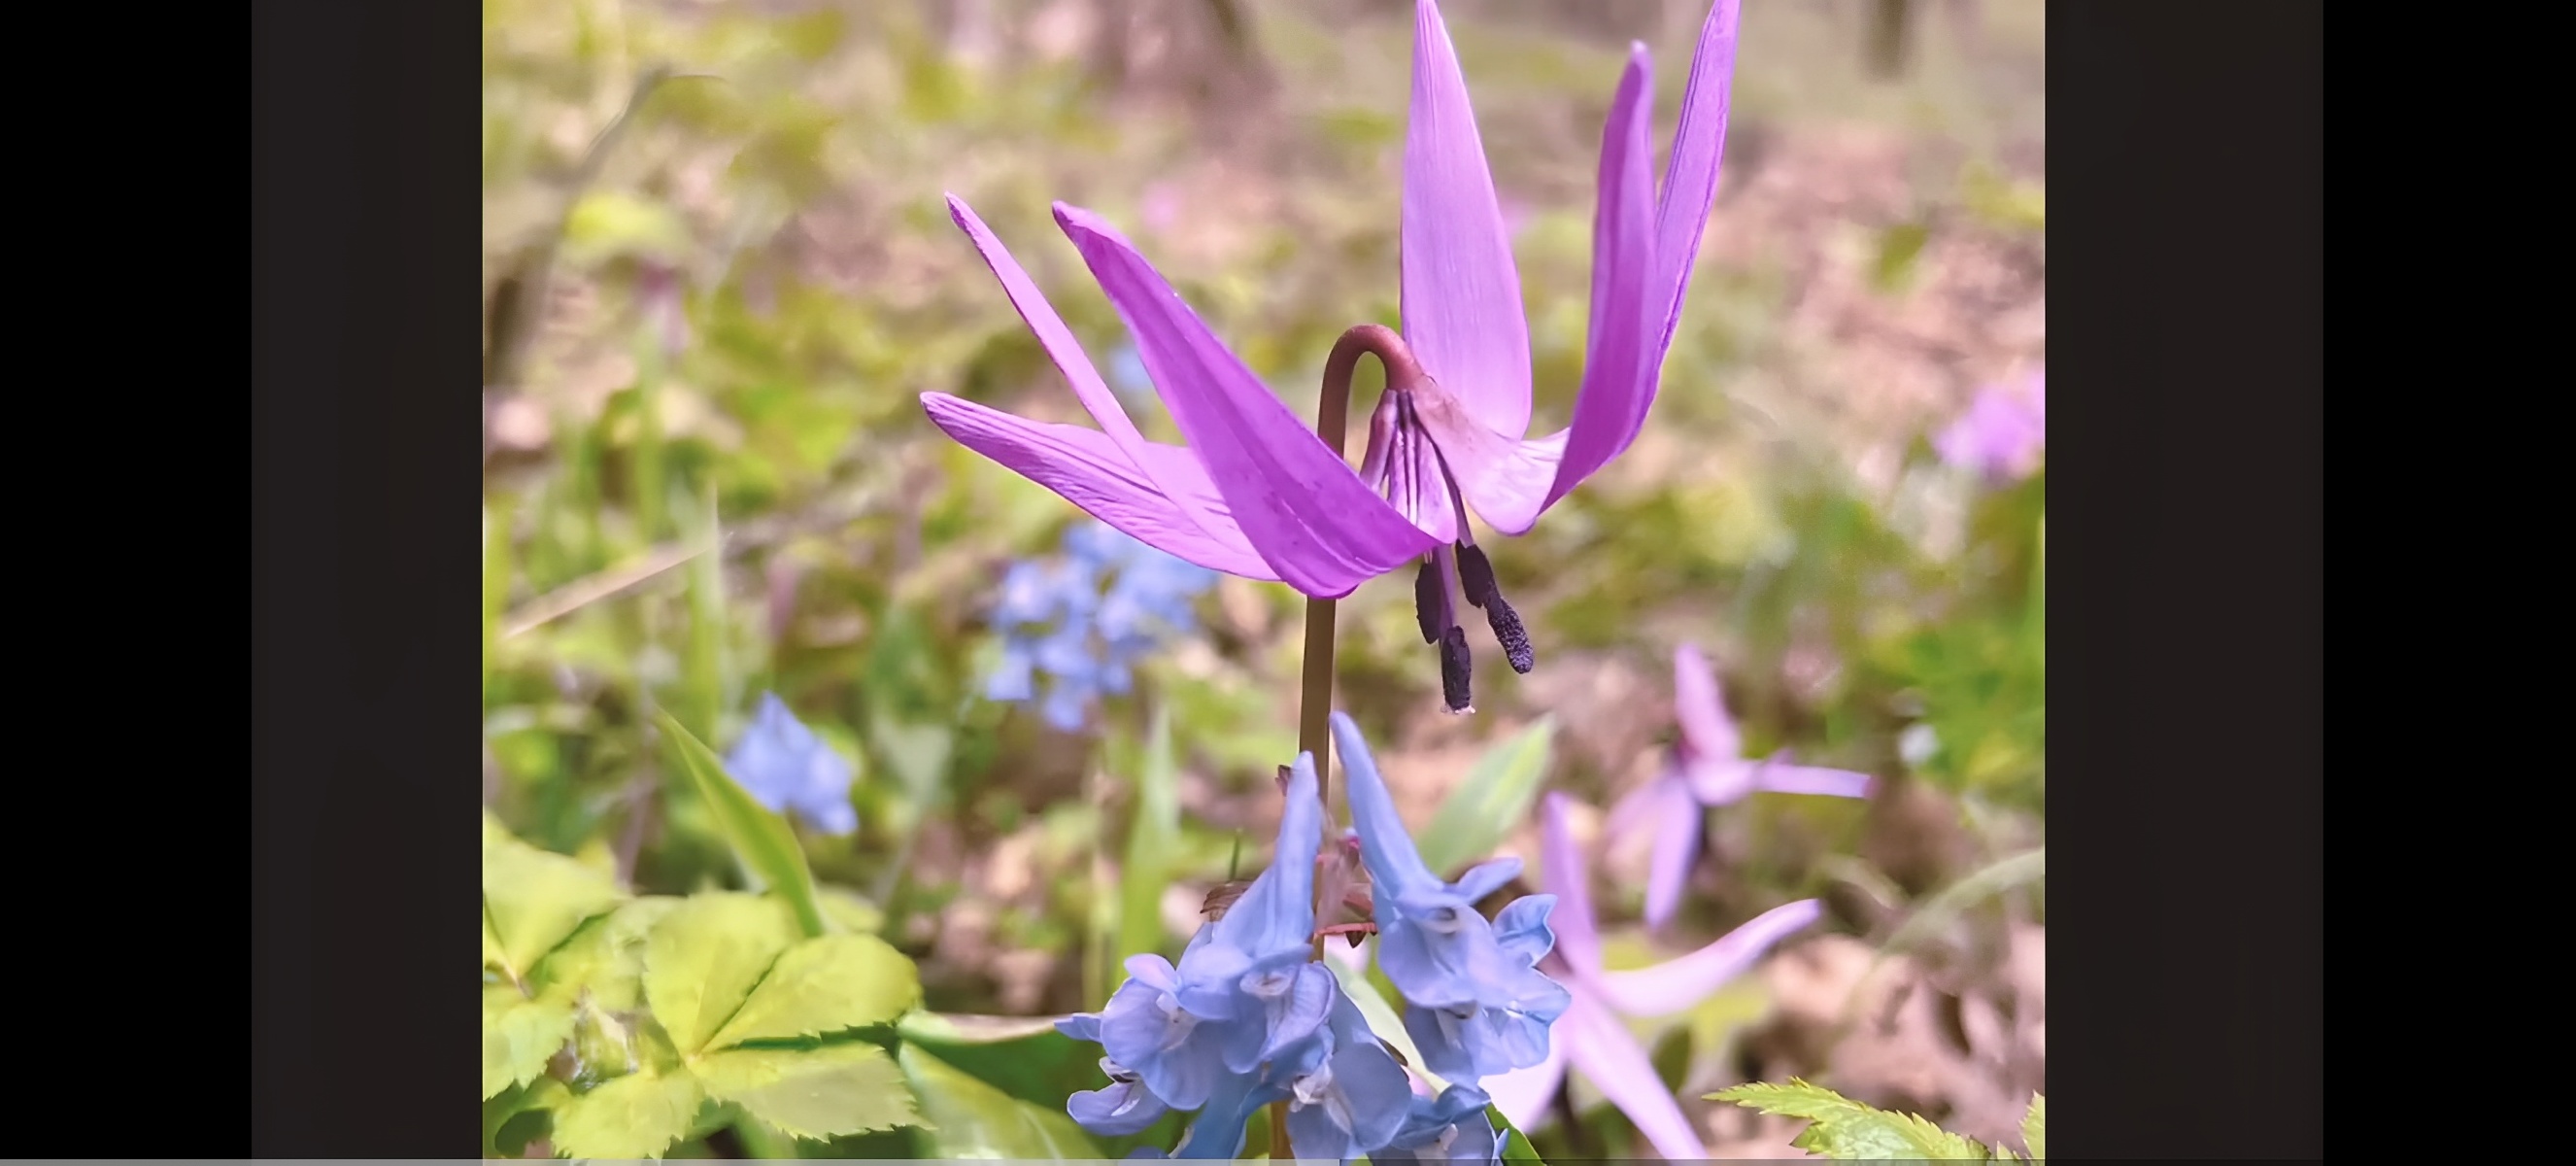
1300 506
1086 468
1690 175
1565 876
1678 821
1678 984
1461 291
1700 707
1524 1094
1617 385
1604 1051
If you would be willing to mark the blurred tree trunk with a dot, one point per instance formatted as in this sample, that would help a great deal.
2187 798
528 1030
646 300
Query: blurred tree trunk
1890 38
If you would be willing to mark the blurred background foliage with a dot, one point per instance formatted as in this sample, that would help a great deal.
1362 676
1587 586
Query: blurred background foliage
719 274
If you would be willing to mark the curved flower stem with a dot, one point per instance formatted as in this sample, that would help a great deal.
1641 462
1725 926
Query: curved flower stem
1315 694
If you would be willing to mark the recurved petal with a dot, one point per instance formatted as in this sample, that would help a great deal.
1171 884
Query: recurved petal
1700 708
1565 876
1461 291
1678 984
1618 380
1678 821
1173 472
1690 176
1086 468
1394 866
1303 510
1524 1094
1603 1050
1811 779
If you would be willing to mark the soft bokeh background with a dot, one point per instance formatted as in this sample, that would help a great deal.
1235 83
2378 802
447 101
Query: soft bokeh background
712 312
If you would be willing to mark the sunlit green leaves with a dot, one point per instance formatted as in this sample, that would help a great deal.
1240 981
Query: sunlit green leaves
2034 1128
825 985
533 899
520 1035
635 1116
827 1092
1492 802
704 958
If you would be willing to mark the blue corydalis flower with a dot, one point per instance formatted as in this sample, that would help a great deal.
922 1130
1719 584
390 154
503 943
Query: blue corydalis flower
1060 624
1449 1128
1244 993
1476 1003
785 767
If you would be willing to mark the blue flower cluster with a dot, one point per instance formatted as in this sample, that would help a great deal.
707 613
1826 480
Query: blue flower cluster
784 766
1248 1019
1083 621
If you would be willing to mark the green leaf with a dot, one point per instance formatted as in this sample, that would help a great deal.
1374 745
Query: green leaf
2034 1128
849 910
1493 800
1517 1148
951 1028
704 958
917 751
975 1120
533 899
1151 839
636 1116
519 1035
516 1115
820 1093
1847 1130
608 223
759 837
606 957
826 985
1382 1018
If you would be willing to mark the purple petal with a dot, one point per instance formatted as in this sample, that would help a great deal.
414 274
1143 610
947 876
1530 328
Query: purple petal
1718 781
1810 779
1563 876
1172 471
1618 384
1523 1094
1678 984
1608 1055
1690 177
1461 292
1303 510
1085 467
1678 821
1700 708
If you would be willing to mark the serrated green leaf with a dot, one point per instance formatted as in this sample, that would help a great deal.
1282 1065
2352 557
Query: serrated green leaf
636 1116
2034 1128
825 985
1516 1147
1493 800
975 1120
1382 1018
759 837
820 1093
519 1035
533 899
1151 839
952 1028
516 1115
1847 1130
606 957
705 956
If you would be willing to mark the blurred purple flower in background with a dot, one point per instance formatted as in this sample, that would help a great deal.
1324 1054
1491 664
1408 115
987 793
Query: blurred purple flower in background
1057 621
2004 432
785 767
1590 1035
1707 769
